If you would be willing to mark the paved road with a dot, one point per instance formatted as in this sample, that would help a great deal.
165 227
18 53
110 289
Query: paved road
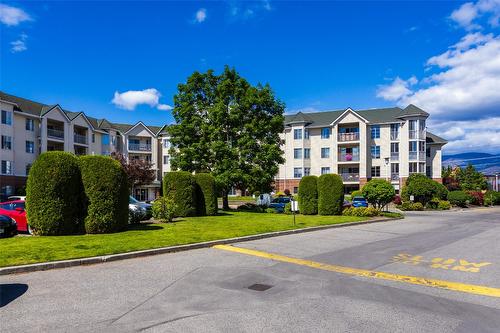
207 290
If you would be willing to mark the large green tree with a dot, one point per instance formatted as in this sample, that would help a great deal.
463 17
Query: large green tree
471 180
229 128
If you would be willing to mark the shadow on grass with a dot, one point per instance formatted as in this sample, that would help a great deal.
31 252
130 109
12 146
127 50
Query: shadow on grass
144 226
11 291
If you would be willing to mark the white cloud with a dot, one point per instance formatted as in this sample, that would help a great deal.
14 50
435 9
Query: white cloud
397 90
248 9
201 15
20 44
469 12
129 100
12 16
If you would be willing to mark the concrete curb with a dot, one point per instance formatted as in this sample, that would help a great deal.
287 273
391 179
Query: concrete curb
143 253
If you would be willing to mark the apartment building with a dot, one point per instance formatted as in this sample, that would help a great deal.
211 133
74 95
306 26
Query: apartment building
28 128
389 143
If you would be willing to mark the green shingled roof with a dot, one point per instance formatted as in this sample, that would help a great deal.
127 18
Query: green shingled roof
434 139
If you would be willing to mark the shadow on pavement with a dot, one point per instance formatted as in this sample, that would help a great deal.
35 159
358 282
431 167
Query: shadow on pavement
11 291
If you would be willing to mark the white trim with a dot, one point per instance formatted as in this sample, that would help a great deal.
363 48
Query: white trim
27 114
9 102
137 124
84 117
347 111
60 110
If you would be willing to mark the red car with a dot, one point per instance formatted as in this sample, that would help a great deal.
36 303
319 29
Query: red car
15 209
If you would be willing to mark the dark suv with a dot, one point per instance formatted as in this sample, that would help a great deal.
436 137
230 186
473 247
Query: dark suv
279 204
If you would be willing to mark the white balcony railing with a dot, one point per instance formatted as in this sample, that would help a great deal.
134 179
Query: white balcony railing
350 177
55 133
348 157
343 137
413 156
139 146
79 138
394 136
394 156
421 156
415 134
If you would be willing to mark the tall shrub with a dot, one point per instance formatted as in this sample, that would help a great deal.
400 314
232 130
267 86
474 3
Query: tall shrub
181 187
106 187
423 189
378 192
308 195
330 194
55 198
207 197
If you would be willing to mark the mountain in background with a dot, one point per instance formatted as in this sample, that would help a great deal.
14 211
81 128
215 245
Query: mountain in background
483 162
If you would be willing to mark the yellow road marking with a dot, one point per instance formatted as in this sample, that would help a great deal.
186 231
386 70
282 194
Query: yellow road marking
455 286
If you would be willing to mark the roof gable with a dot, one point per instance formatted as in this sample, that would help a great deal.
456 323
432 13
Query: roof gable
48 109
347 112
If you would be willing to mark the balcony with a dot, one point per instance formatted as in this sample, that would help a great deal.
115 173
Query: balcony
413 155
394 177
344 137
348 157
350 177
79 151
139 146
421 156
55 133
394 156
80 138
414 134
394 135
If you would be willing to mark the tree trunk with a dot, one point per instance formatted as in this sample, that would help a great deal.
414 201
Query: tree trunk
225 201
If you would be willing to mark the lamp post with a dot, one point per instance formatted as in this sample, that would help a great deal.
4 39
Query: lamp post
386 160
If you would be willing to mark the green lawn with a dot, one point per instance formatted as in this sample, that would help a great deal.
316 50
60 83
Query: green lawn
27 250
238 198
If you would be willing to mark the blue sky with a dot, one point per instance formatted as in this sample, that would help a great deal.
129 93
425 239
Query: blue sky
315 55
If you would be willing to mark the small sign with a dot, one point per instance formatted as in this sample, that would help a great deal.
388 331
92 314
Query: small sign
412 198
294 205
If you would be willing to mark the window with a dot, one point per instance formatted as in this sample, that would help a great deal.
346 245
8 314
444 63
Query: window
105 139
7 167
375 152
165 159
297 134
325 170
412 146
421 167
307 153
295 190
297 172
413 125
413 167
325 133
306 134
6 142
30 147
165 143
297 153
394 168
428 152
421 146
394 131
375 132
395 147
30 124
28 167
6 117
325 152
376 171
93 138
422 125
307 171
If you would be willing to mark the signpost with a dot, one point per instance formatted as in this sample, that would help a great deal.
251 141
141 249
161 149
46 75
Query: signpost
294 207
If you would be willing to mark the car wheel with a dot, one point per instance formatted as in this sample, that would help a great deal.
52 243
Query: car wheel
30 231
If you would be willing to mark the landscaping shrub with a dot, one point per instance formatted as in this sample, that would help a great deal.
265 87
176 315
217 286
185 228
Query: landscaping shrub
361 211
477 198
330 194
397 200
251 207
423 189
55 202
256 194
378 192
357 193
308 195
288 208
459 198
270 210
181 187
408 205
444 205
207 197
107 190
491 198
164 209
432 204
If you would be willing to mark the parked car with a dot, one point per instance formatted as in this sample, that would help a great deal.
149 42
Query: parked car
359 201
147 207
16 197
279 204
8 226
15 209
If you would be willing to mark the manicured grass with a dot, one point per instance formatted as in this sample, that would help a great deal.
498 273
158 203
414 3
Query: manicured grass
27 250
238 198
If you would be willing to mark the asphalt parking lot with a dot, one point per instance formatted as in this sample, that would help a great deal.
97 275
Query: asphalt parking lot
432 272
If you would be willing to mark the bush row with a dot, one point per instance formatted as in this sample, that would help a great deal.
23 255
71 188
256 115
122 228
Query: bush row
323 195
361 211
69 195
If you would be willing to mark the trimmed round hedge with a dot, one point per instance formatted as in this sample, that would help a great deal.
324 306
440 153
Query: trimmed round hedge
55 198
308 195
106 186
330 194
378 192
207 198
181 187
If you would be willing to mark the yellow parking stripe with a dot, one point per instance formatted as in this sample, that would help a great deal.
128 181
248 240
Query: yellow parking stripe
455 286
